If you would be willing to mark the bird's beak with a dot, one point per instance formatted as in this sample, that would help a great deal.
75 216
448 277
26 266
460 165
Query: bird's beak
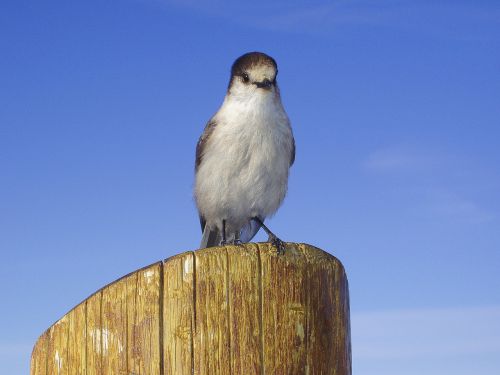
265 84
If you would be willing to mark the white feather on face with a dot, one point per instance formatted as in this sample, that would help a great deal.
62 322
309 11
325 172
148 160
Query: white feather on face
245 161
256 74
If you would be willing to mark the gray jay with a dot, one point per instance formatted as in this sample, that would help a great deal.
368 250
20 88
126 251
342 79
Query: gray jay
243 156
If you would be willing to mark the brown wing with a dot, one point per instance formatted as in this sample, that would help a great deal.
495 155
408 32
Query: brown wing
200 147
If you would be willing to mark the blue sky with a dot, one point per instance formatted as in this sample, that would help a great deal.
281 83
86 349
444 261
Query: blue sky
394 106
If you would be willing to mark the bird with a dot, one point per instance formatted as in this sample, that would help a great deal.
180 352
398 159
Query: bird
243 156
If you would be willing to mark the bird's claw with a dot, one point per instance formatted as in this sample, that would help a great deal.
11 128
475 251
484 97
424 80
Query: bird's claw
230 242
278 244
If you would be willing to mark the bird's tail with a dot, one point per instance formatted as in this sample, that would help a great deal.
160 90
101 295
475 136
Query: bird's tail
249 230
210 238
213 237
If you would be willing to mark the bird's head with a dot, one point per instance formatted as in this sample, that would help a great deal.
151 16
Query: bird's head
253 73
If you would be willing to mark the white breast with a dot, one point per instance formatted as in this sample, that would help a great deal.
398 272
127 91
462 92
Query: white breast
244 170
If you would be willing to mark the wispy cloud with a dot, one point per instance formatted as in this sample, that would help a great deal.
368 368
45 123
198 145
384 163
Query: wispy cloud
426 333
401 159
445 203
440 185
443 19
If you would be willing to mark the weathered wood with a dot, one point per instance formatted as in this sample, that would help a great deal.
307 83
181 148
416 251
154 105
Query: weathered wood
284 300
145 356
77 330
245 305
226 310
211 344
39 356
115 300
57 352
93 341
178 315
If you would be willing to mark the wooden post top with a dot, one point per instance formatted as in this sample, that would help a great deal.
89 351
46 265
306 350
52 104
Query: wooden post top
239 309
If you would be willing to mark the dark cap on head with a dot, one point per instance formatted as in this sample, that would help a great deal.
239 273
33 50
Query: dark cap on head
246 61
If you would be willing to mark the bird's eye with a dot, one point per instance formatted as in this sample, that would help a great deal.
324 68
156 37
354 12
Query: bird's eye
245 77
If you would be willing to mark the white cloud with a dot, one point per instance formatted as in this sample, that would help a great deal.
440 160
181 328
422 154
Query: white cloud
448 20
400 159
447 204
441 186
426 333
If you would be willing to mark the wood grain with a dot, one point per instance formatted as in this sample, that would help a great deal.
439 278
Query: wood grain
145 355
211 344
224 310
245 309
57 351
284 303
38 364
116 298
77 331
178 315
93 340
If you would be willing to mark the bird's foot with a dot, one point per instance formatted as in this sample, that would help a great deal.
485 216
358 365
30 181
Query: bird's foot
277 243
230 242
223 241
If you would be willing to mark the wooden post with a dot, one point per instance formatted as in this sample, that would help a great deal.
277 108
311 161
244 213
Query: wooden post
223 310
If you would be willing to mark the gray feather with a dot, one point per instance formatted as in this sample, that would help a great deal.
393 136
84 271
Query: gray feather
249 231
210 238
